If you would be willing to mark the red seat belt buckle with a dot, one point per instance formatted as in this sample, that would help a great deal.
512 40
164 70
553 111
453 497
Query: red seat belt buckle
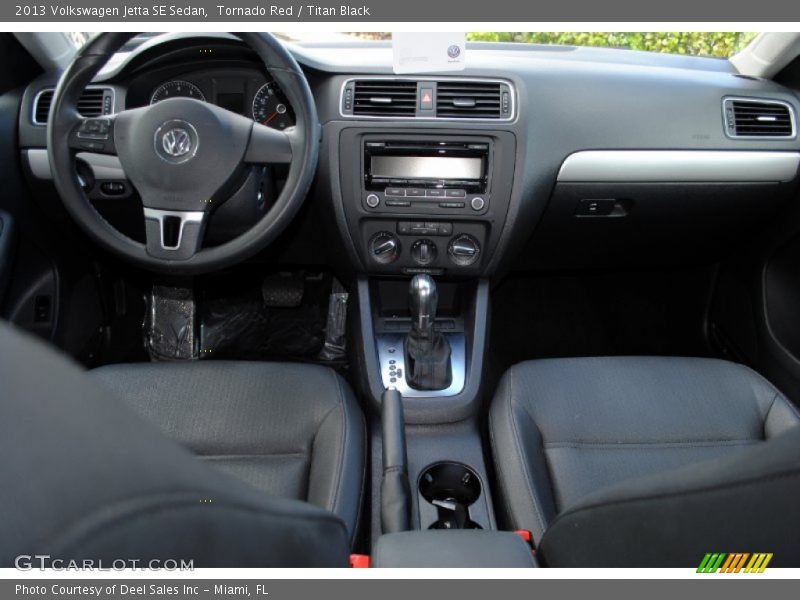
359 561
524 534
526 537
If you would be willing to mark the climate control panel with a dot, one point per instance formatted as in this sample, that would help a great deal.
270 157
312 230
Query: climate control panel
435 247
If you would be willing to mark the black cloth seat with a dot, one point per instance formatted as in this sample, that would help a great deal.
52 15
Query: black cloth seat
84 476
594 452
290 430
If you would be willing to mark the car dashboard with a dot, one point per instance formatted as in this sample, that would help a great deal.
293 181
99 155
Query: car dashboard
531 157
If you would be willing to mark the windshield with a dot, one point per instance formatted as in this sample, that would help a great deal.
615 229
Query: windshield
720 44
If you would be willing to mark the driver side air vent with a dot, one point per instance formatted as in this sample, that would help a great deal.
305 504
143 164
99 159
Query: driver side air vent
94 102
385 98
756 118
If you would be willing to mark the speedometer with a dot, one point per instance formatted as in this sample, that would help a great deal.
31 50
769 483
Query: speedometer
176 89
270 107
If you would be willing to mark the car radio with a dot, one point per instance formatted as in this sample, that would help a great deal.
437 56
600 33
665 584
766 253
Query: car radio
431 176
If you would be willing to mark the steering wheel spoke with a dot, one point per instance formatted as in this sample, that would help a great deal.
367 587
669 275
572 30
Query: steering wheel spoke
270 146
173 235
93 134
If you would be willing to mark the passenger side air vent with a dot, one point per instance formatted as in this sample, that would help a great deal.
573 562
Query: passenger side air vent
384 98
755 118
94 102
470 100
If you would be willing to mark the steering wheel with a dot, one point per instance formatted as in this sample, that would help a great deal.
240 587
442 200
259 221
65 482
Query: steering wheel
185 158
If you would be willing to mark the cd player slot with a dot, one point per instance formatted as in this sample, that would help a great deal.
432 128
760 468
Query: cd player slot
418 167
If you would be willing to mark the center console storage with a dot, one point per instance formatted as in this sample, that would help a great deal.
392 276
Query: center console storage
448 521
448 549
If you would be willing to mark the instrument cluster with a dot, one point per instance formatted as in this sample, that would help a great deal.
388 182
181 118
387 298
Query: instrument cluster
243 91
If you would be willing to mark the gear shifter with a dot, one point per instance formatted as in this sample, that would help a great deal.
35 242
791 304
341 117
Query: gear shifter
427 351
423 299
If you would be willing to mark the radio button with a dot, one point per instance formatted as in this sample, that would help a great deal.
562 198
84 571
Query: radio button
395 191
373 200
435 193
455 193
415 192
477 203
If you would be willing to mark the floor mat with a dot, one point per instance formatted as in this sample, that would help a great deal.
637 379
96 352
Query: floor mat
236 323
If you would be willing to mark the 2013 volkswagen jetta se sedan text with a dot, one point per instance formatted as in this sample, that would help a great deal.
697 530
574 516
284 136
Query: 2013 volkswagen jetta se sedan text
270 304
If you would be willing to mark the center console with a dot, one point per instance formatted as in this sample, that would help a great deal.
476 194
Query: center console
423 209
434 507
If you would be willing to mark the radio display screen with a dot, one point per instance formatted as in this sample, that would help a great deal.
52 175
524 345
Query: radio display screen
427 167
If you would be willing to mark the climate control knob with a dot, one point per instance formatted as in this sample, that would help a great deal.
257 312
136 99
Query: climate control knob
423 252
464 250
384 247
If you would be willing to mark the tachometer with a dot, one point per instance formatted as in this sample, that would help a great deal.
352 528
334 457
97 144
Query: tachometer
270 107
176 89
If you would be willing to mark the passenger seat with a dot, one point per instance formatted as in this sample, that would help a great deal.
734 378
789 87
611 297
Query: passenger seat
647 461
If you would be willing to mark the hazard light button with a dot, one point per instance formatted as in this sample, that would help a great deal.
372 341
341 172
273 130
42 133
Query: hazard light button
426 98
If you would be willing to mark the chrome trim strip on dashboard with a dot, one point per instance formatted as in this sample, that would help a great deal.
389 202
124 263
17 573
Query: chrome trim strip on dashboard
598 166
508 119
52 89
104 166
729 99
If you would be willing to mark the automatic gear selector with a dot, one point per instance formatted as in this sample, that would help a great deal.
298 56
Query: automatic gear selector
427 351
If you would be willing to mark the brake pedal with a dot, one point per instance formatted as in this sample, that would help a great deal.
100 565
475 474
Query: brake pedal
283 290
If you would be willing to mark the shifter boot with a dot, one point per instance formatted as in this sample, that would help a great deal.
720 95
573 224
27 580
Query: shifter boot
428 362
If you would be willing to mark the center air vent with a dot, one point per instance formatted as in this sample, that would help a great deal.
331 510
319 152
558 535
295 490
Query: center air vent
755 118
378 97
385 98
94 102
469 100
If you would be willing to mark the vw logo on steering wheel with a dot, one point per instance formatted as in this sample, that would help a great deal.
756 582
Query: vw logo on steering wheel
176 141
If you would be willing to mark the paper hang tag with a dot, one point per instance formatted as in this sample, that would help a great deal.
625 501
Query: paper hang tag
428 52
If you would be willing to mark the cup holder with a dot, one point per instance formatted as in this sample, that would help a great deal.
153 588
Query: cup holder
451 488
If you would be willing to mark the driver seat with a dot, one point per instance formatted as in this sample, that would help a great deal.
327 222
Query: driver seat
290 430
88 471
